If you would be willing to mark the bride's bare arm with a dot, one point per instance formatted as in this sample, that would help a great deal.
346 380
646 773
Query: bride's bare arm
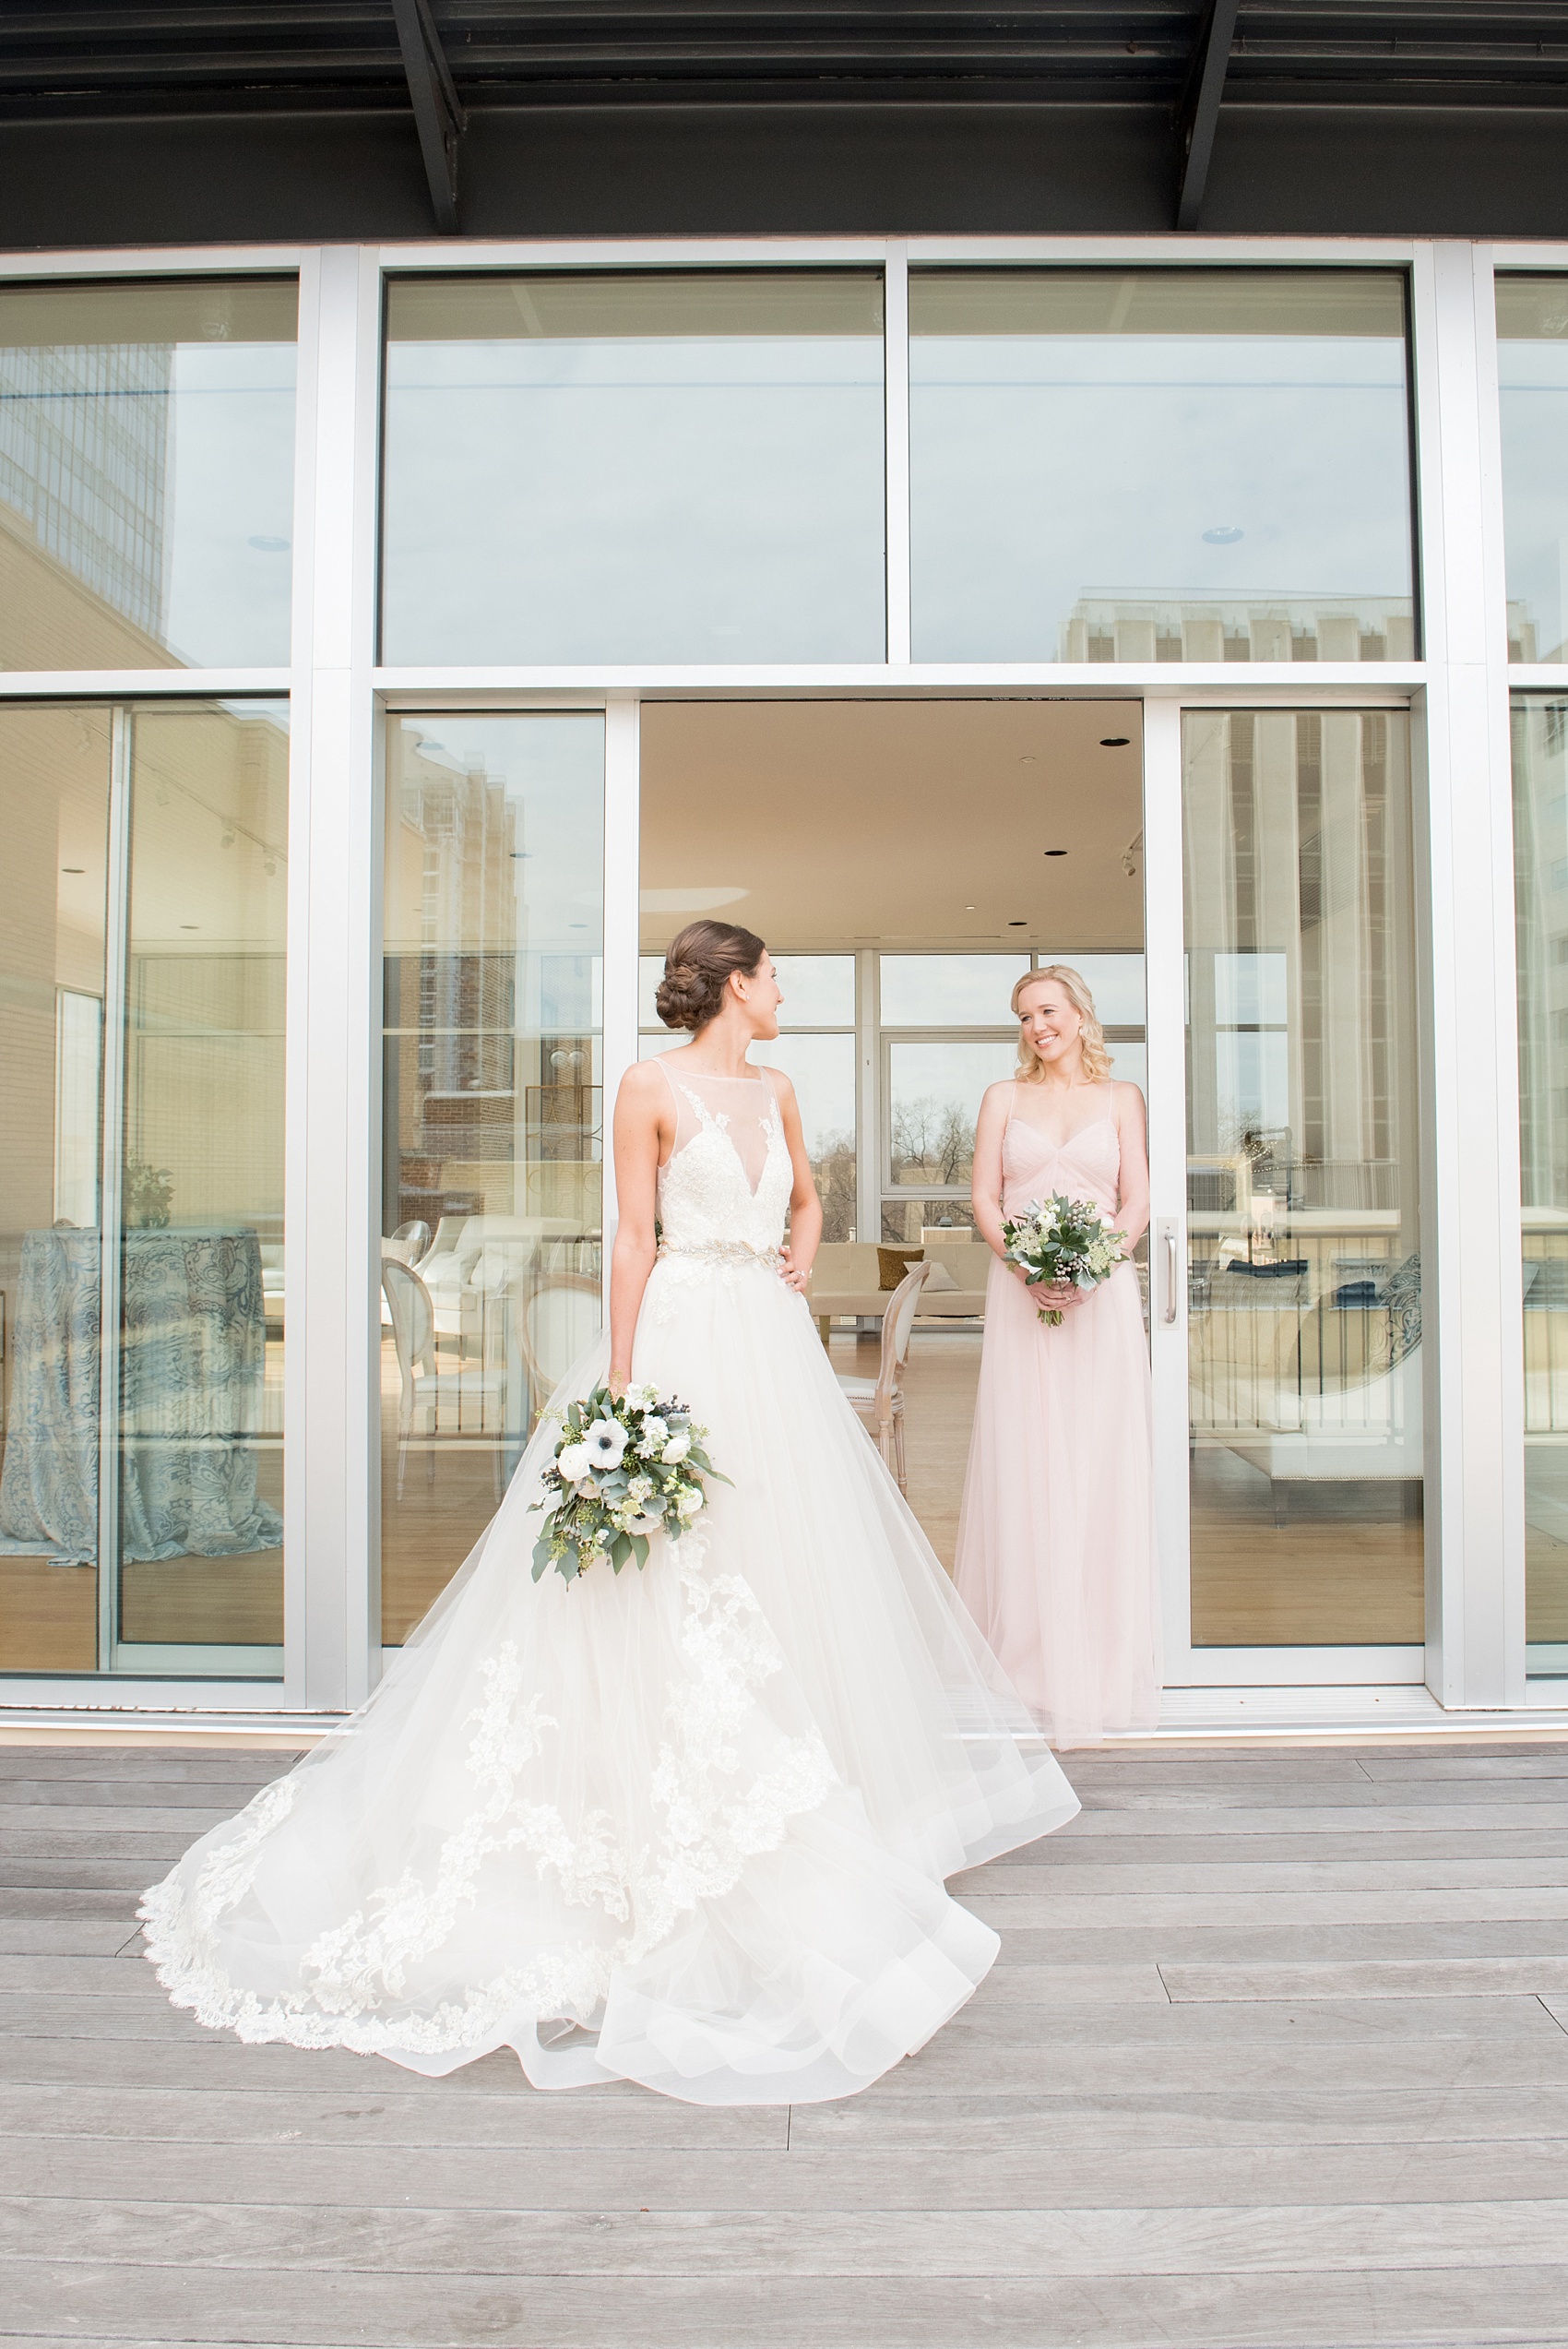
641 1119
805 1208
1132 1127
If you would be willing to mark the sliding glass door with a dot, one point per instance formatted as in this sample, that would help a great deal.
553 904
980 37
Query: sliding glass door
1303 1265
141 1189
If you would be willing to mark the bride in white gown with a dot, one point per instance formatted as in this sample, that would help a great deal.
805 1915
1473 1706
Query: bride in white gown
686 1826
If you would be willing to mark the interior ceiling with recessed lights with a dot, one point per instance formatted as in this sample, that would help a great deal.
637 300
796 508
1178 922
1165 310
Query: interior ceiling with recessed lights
910 823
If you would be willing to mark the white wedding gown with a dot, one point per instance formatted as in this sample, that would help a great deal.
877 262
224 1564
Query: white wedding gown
687 1826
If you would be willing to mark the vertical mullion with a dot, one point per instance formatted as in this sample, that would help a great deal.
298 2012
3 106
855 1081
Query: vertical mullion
111 1213
895 365
1165 1035
296 990
330 1313
869 1140
1472 1281
622 855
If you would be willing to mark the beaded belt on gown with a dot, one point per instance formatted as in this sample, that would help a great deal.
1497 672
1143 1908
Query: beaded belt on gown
723 1252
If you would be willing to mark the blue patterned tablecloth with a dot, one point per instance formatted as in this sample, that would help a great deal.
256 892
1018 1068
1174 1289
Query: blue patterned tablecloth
193 1359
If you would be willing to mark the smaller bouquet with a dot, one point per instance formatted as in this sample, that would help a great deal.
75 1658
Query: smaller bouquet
1063 1240
626 1467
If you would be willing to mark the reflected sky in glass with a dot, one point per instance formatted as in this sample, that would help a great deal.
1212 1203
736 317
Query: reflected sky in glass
1106 450
1532 368
648 468
147 460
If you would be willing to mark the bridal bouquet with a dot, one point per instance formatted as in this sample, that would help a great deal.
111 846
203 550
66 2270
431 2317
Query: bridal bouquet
626 1467
1064 1240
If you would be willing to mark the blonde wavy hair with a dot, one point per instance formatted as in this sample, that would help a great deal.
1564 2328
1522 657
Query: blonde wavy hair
1091 1036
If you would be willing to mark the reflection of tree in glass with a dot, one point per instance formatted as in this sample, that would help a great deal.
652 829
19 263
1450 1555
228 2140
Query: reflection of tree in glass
933 1141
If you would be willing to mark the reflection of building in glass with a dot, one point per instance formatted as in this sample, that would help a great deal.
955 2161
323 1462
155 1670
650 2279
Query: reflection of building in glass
84 453
495 1064
1109 626
1540 850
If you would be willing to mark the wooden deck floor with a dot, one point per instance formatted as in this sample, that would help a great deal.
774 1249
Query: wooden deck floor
1276 2053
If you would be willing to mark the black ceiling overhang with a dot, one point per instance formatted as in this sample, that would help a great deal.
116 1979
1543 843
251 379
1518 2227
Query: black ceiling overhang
439 61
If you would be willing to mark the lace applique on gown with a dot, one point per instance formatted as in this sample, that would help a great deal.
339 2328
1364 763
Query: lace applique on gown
687 1826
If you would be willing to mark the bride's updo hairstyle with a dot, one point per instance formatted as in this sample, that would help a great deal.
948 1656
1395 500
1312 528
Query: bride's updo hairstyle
697 969
1091 1035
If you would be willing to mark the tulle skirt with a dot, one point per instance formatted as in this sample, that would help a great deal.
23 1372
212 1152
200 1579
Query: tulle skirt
686 1826
1056 1553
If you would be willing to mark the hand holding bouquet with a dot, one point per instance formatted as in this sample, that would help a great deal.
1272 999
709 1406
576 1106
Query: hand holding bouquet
1063 1240
626 1467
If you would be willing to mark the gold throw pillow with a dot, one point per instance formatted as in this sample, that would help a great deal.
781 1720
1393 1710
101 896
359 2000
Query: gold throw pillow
892 1264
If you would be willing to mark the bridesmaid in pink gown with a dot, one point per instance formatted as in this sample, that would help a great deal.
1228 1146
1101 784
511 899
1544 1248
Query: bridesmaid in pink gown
1056 1534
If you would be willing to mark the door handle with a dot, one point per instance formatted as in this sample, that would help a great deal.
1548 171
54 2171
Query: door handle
1172 1271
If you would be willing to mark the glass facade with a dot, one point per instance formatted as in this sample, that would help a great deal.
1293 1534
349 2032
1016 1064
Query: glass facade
1540 854
1303 1157
686 467
642 467
147 474
144 942
1160 465
492 1115
1532 372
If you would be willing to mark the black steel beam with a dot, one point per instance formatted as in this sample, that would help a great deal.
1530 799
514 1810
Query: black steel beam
1198 116
438 113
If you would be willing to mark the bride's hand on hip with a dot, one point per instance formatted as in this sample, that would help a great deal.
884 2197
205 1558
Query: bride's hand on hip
791 1275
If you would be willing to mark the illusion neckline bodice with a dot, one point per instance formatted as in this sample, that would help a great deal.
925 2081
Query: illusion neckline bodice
706 1196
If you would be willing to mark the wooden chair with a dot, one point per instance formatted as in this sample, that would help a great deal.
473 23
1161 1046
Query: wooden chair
880 1400
557 1315
474 1396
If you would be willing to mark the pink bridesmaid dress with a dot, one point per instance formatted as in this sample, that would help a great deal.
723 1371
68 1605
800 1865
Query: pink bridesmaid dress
1056 1534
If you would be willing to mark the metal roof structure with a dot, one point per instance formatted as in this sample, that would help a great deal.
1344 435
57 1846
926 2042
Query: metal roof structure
447 61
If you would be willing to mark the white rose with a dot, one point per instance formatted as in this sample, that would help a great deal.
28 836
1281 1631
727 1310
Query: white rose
690 1502
573 1462
676 1450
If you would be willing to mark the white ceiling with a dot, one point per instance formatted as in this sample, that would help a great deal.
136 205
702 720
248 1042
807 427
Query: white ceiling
902 824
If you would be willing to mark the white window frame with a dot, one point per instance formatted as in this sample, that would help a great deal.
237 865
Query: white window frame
1457 690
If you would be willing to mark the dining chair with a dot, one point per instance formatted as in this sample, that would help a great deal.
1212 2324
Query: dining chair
558 1314
880 1400
426 1389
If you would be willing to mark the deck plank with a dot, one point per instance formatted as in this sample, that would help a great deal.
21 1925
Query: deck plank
1275 2053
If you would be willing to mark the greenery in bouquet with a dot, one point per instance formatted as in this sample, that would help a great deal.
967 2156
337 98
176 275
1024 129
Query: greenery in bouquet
626 1467
1063 1239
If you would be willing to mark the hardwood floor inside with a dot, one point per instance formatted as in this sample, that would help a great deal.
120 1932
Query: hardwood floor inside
1344 1568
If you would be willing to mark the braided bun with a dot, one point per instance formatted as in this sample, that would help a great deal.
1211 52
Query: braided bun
697 970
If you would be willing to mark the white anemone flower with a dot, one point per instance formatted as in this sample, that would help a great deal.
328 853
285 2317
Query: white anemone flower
676 1449
573 1462
645 1525
605 1442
